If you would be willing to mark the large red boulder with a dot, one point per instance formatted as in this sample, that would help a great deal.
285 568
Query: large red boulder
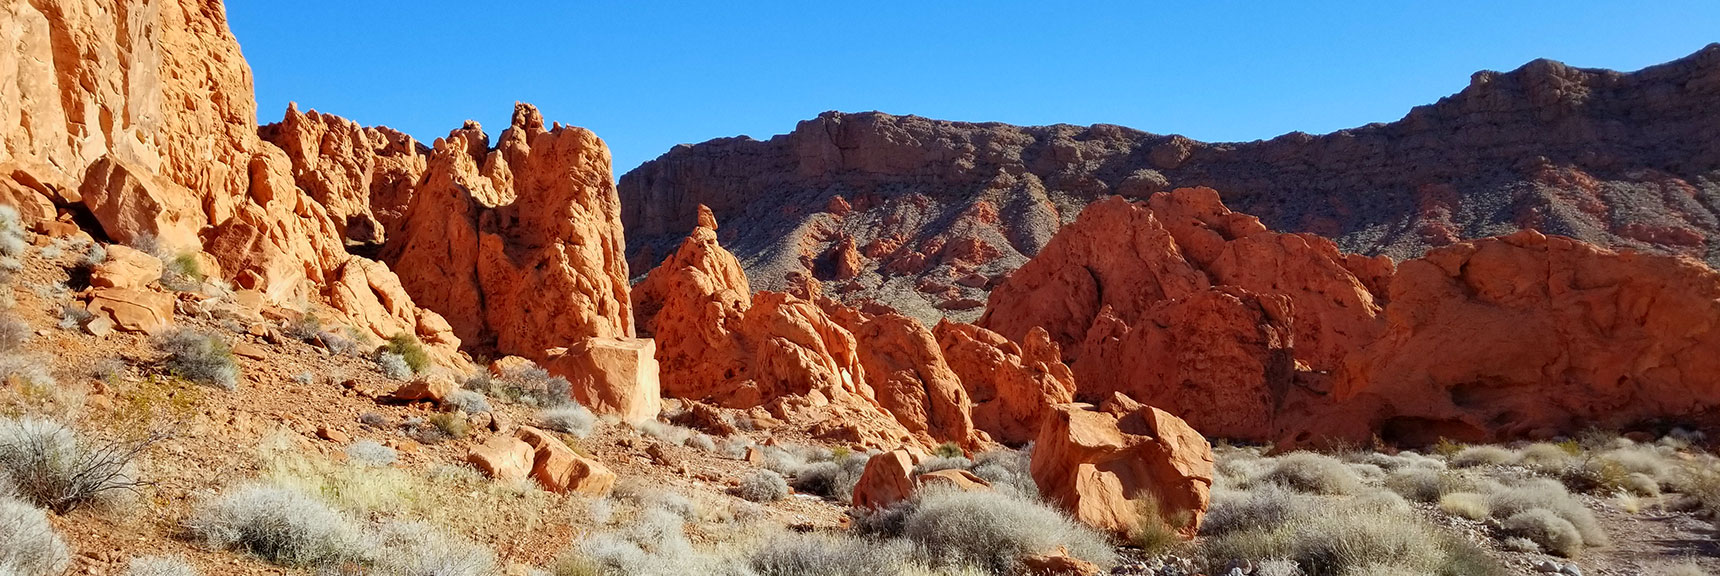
1099 464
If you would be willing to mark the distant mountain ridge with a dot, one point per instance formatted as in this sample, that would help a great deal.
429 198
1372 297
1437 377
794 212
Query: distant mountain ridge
925 215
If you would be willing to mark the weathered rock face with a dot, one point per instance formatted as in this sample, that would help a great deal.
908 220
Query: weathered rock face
1617 159
1011 385
364 177
519 246
1530 336
719 343
141 114
906 371
1251 334
1181 303
1095 464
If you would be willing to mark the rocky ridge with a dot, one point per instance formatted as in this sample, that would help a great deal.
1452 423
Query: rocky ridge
926 215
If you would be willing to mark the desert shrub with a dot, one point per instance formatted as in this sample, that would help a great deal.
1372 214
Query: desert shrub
1678 569
419 549
948 450
200 357
468 401
373 420
1545 457
1425 484
1466 505
763 486
74 317
1472 456
393 366
1547 529
370 453
29 546
784 461
651 496
452 424
1007 470
410 350
1156 532
159 566
1326 537
46 463
12 245
665 432
1595 475
13 332
1649 461
569 418
940 463
277 524
832 479
1550 496
339 344
993 531
656 544
1641 484
306 328
1701 484
700 441
829 555
1234 510
1312 473
527 385
181 273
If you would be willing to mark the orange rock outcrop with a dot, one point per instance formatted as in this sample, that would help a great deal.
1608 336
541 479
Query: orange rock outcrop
719 343
1097 464
1531 336
1250 334
145 118
1183 304
1011 385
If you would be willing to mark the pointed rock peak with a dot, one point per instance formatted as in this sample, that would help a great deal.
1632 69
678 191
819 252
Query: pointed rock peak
706 218
527 117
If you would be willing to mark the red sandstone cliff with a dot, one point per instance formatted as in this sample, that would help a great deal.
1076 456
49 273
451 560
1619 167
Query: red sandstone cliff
940 210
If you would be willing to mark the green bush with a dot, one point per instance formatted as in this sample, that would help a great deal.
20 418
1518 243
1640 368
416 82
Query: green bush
410 350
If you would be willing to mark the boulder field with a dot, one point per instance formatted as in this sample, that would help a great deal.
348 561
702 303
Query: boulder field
1132 332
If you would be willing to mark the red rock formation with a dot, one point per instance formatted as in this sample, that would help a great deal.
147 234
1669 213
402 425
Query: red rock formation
1011 385
148 110
489 238
907 373
717 342
364 177
1531 336
1095 465
1188 306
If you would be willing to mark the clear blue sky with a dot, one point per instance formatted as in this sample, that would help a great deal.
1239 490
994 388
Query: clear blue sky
648 75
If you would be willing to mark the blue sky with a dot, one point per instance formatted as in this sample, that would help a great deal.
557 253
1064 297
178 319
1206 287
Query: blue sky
648 75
